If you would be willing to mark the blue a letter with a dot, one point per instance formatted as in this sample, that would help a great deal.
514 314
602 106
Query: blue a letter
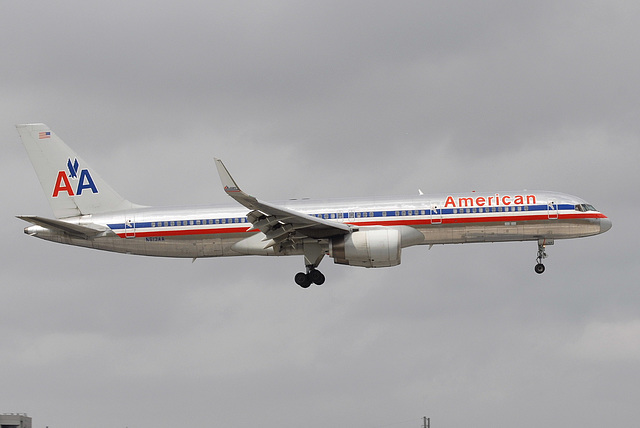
85 176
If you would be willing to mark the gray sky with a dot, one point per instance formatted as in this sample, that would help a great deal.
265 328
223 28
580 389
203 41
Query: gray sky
319 100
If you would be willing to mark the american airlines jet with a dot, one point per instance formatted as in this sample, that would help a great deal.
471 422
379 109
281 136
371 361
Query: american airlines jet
356 232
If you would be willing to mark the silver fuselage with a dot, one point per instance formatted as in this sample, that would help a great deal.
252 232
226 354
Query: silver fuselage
216 231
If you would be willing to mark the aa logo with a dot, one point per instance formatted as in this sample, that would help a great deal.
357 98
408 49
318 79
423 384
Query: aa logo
82 182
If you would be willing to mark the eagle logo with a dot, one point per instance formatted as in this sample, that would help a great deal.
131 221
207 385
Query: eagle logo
73 168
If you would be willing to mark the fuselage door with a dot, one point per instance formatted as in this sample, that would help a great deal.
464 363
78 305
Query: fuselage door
436 214
552 210
129 227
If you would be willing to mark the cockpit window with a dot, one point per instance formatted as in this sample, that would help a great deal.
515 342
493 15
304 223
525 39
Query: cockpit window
585 207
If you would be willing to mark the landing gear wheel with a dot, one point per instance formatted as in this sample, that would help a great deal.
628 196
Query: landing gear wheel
303 280
539 268
316 277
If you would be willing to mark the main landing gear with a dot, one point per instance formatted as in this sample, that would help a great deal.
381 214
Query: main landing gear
313 276
313 254
542 243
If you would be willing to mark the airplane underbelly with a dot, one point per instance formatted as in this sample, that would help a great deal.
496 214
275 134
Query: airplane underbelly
509 231
160 246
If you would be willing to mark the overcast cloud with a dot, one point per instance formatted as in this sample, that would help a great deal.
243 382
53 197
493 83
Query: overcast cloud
324 99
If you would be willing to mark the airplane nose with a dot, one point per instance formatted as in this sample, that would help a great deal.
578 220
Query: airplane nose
605 224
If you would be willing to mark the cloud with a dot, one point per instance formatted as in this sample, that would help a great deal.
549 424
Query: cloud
330 99
608 342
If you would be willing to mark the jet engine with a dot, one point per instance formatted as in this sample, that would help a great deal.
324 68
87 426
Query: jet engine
367 248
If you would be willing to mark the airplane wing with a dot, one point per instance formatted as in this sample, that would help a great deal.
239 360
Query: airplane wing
279 224
84 232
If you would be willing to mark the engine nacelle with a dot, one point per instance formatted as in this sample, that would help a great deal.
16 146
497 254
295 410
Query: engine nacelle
367 248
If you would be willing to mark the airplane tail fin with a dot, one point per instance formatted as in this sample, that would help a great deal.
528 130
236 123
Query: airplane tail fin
71 185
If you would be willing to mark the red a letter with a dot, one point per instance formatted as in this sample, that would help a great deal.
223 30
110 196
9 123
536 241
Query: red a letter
62 185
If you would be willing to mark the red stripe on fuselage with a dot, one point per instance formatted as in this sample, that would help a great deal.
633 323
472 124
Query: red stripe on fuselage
459 220
185 232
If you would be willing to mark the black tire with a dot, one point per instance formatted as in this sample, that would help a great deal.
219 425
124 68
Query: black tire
303 280
539 268
316 277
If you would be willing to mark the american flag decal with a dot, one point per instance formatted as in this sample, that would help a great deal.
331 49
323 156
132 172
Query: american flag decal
44 134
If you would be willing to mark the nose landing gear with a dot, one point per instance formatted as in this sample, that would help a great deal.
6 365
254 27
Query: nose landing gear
542 243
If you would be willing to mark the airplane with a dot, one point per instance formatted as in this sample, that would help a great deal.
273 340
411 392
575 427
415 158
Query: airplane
361 232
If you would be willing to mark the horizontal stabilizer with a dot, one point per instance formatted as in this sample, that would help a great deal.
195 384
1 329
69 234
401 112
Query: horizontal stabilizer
69 228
